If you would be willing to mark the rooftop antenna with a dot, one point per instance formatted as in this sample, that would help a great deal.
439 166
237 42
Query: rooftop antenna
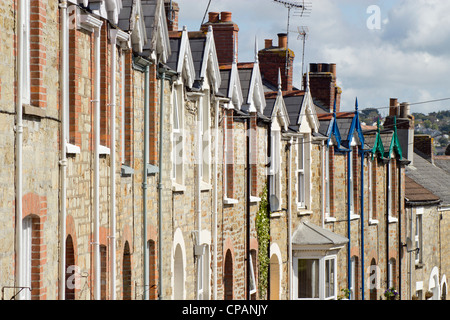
206 11
301 8
303 35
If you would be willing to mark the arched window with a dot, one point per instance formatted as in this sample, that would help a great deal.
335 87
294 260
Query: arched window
126 272
178 274
153 276
103 276
228 276
373 280
274 277
70 264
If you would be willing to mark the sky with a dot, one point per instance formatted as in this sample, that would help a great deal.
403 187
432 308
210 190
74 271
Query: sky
382 48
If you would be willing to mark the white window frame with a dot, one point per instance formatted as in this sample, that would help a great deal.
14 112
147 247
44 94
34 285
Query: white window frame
350 169
327 183
391 265
252 276
322 261
301 177
177 135
26 76
353 277
204 122
370 178
27 225
418 235
275 167
122 105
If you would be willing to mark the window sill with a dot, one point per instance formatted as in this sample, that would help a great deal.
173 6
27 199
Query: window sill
354 217
373 222
302 211
151 169
72 149
103 150
330 219
126 171
204 186
276 214
230 201
176 187
392 220
254 199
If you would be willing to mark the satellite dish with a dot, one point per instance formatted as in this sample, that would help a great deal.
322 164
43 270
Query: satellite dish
408 244
274 203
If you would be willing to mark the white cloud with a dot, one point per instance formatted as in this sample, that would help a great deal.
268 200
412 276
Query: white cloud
408 58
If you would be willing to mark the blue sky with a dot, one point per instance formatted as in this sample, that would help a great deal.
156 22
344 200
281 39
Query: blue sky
407 58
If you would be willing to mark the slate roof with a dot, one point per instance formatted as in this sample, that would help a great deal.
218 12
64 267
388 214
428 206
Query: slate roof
417 194
431 177
149 11
443 162
245 76
293 107
125 15
225 76
270 104
198 50
310 234
175 44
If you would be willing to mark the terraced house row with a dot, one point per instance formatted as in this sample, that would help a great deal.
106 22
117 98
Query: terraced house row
142 160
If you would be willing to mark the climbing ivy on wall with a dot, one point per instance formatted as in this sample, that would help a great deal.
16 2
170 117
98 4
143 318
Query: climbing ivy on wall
262 229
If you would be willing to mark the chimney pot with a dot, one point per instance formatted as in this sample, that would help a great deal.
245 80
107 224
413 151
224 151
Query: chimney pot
225 16
393 107
404 110
333 68
268 43
213 17
282 40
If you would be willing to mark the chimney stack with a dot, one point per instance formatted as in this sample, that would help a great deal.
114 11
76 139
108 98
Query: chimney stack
271 59
322 84
225 35
172 10
405 126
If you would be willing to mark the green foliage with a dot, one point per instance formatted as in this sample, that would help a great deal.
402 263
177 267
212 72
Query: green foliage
263 233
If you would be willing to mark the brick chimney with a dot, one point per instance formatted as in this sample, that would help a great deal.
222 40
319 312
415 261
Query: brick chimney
423 145
225 35
322 84
272 58
172 10
405 126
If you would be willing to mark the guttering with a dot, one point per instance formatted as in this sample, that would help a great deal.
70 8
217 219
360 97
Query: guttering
63 152
18 150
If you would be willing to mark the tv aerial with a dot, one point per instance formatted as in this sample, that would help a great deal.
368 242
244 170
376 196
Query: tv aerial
303 35
301 8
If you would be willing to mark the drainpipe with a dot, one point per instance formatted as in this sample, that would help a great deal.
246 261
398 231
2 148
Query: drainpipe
112 174
161 131
164 74
349 269
388 207
362 152
198 182
144 179
289 213
96 101
63 161
19 139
